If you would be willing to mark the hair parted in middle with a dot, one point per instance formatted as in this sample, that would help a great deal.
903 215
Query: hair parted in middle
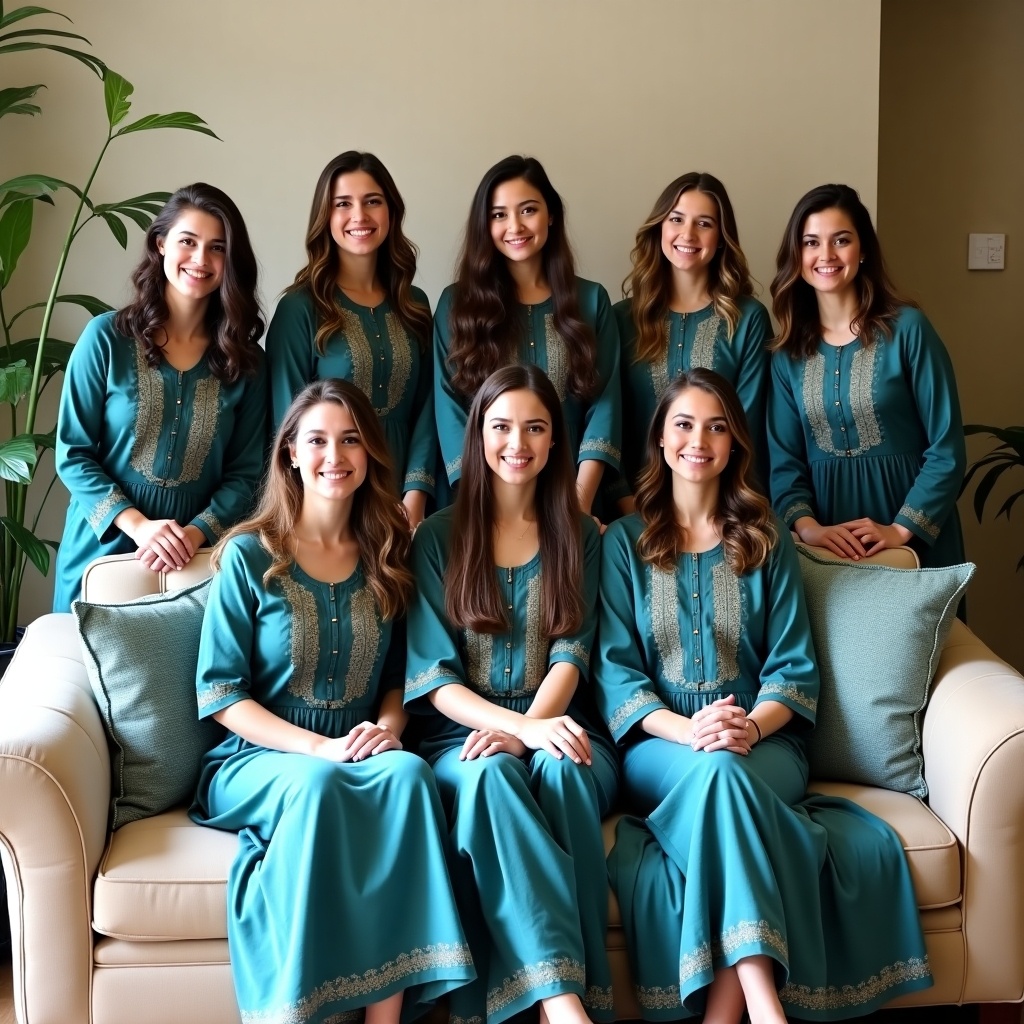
794 302
377 519
650 281
483 321
396 257
744 515
472 598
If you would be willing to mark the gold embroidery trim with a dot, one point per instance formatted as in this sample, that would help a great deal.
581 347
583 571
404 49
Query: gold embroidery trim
658 998
216 692
571 647
455 466
202 429
598 444
212 522
795 511
917 517
401 363
149 415
833 997
862 401
598 997
366 985
305 642
814 403
790 692
360 352
418 476
663 589
626 711
536 656
556 356
531 977
659 367
422 679
479 651
703 958
703 351
728 620
365 646
102 508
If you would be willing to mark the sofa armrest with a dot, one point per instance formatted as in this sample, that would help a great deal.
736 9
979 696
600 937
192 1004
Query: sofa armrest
54 800
973 744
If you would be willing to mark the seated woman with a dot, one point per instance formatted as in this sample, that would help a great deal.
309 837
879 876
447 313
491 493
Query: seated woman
162 420
500 633
737 890
339 897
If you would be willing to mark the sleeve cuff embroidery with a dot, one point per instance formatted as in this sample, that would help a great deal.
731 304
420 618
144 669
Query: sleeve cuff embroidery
635 703
573 648
794 512
105 506
790 693
920 520
422 681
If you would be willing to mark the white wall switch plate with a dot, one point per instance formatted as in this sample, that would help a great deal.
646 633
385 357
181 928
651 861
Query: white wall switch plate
986 252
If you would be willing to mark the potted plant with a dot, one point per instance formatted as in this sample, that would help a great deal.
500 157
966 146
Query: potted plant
30 359
1007 454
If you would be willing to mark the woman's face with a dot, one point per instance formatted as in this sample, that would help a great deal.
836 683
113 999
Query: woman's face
517 436
360 218
328 449
691 233
194 252
830 251
695 438
519 220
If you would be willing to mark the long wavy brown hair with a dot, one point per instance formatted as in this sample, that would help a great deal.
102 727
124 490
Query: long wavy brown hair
233 319
744 517
650 281
794 301
396 257
378 522
472 598
484 326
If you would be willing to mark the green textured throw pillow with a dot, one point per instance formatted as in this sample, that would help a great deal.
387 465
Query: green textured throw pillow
878 633
141 658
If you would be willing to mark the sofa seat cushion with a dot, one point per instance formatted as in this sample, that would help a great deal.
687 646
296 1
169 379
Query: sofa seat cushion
164 878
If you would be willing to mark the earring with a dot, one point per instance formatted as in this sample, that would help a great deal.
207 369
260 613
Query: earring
862 259
295 465
661 444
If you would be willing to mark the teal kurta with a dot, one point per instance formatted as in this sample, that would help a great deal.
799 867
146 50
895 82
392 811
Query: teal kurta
594 427
530 873
733 859
378 355
174 444
691 339
339 895
872 430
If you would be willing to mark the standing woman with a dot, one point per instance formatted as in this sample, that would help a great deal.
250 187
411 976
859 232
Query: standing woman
353 313
517 299
500 634
737 891
867 444
339 896
691 304
162 419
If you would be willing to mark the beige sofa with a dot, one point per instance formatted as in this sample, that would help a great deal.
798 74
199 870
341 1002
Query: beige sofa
131 927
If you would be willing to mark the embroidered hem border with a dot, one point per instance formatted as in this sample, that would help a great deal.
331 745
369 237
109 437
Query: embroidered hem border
531 977
833 997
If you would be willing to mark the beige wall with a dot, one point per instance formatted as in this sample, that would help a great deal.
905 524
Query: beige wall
615 97
951 162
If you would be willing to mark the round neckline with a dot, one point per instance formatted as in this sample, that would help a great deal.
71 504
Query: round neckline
524 565
538 305
708 551
358 306
846 344
693 312
349 581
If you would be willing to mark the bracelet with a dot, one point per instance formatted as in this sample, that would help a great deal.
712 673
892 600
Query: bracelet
757 727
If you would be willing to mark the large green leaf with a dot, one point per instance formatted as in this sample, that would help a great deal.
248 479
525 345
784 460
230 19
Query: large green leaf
92 305
140 209
23 32
17 457
48 440
1009 503
985 485
116 90
26 12
12 101
35 186
15 232
94 64
55 354
1011 436
179 119
117 228
29 543
15 380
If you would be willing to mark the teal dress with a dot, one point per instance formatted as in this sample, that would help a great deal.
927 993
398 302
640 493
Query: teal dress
530 871
872 430
594 426
692 339
339 894
732 858
378 355
175 444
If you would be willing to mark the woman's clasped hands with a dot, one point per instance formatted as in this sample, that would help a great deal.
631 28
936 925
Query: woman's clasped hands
560 737
362 741
721 725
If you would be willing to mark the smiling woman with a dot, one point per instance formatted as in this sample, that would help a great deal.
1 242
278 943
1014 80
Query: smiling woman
162 416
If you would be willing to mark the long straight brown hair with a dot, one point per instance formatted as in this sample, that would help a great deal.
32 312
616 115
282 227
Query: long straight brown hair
378 522
744 515
794 302
471 595
650 281
482 319
396 258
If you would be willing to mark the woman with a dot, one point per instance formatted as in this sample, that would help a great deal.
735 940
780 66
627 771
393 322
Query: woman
163 413
518 299
691 304
341 832
867 444
352 312
737 892
499 646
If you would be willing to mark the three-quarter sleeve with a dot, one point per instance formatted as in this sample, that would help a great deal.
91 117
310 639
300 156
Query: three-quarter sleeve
602 421
929 372
576 649
792 491
291 348
449 410
624 690
421 460
80 423
789 674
